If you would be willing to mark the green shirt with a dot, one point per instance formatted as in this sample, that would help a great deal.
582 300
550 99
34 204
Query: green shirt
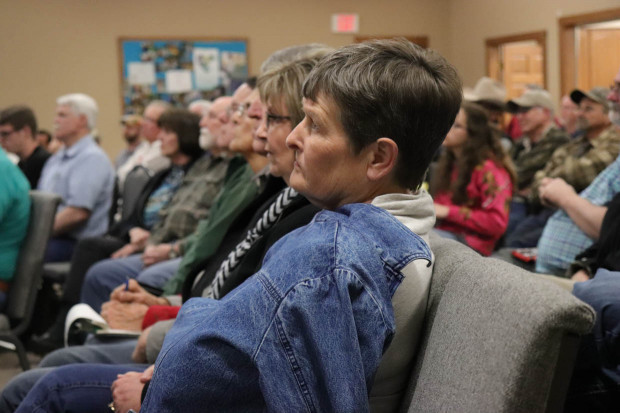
14 214
238 191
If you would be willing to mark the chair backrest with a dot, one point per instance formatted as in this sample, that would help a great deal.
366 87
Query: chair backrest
28 271
134 183
493 338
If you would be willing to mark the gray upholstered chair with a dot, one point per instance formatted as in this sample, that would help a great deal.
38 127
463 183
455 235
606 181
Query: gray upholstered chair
496 338
134 184
27 279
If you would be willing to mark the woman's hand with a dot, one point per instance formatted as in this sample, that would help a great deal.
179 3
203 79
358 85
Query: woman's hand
125 251
441 211
127 391
124 316
139 353
156 253
138 237
136 294
148 374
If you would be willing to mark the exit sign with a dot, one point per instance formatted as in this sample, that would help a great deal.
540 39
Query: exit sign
345 23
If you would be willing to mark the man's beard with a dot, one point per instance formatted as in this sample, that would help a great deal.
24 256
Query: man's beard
207 140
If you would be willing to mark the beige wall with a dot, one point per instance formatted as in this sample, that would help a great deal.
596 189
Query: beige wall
48 48
473 21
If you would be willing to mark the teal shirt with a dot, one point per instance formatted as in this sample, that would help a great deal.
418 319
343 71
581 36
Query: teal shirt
238 191
14 214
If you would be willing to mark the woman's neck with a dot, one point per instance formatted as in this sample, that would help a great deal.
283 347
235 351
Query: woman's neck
180 159
256 161
457 152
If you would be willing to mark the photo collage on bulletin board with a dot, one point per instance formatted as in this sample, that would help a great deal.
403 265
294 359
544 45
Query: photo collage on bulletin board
179 71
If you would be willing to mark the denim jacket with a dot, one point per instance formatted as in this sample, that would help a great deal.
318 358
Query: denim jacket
304 334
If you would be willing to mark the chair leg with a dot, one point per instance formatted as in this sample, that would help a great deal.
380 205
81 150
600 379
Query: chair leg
19 349
21 353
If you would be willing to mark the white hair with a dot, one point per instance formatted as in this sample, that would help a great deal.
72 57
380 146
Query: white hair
201 106
81 104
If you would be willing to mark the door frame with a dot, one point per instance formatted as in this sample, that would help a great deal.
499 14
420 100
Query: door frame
567 26
493 44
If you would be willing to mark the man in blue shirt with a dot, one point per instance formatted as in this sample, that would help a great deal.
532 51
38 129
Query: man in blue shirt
80 173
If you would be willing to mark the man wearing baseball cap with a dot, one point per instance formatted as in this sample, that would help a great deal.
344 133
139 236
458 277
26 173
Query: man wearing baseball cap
131 134
534 111
577 162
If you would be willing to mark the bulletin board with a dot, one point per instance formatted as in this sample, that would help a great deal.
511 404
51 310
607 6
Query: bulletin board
179 70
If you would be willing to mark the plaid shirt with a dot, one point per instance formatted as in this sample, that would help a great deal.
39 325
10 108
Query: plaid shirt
192 201
561 239
580 161
530 158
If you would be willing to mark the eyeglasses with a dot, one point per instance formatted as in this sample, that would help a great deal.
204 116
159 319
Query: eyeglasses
275 119
5 134
235 108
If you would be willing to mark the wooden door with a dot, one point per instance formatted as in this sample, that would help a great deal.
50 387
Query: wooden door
598 57
522 65
517 60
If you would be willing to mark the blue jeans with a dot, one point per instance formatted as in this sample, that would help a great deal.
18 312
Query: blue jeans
518 212
106 275
59 249
601 348
113 353
75 388
527 233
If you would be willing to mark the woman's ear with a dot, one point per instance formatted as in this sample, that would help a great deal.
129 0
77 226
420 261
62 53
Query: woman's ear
383 157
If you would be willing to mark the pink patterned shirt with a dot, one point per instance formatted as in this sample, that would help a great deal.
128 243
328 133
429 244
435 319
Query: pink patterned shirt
482 220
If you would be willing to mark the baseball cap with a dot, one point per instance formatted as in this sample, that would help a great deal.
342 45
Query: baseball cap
597 94
131 119
531 98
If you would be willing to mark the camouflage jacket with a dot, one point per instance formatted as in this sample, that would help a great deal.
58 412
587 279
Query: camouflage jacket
530 158
580 161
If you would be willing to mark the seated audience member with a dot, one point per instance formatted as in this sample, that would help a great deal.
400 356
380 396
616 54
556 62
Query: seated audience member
167 211
201 108
596 379
14 218
578 162
51 143
605 251
18 127
570 231
577 222
131 135
81 174
262 223
158 263
568 117
474 183
534 112
149 155
491 95
44 139
371 161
